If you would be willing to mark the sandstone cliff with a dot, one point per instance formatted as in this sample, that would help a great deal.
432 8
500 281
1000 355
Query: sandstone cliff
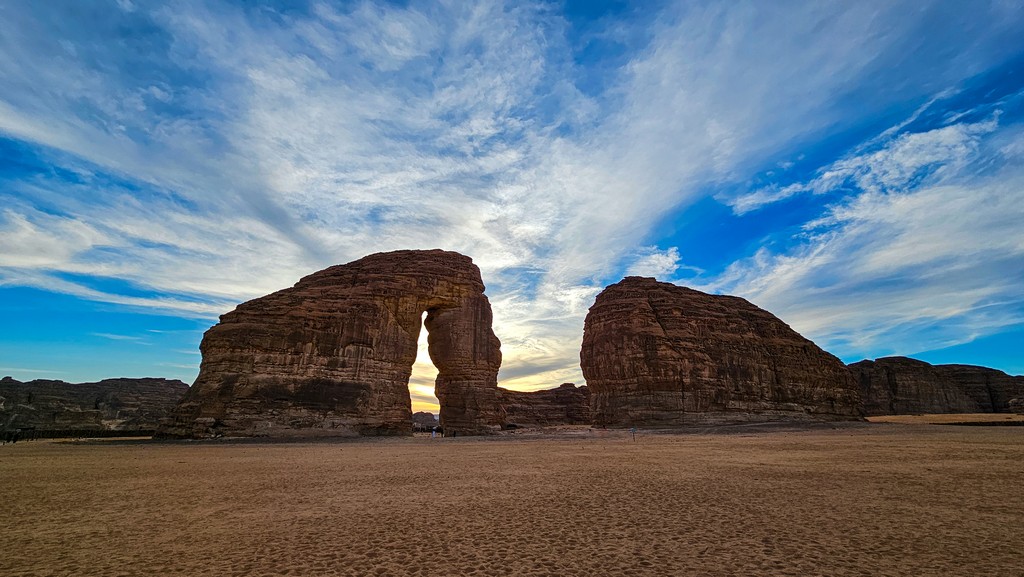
56 407
657 354
566 404
901 386
1017 405
333 354
990 388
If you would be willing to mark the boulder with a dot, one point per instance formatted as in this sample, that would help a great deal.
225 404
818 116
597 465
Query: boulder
905 386
566 404
57 408
656 354
332 355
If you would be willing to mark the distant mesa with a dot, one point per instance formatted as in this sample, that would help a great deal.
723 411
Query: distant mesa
656 354
566 404
59 409
424 421
332 355
904 386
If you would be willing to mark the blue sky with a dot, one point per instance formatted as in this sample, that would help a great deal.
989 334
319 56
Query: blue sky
857 168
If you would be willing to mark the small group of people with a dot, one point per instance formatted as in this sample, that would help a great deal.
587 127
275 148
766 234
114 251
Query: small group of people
14 435
439 432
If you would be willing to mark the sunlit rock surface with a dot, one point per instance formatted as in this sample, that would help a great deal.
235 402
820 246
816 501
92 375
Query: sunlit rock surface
332 355
657 354
55 407
903 386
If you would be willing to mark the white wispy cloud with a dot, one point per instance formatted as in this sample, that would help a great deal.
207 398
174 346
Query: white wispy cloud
249 148
176 365
44 242
660 264
930 156
116 337
34 371
903 265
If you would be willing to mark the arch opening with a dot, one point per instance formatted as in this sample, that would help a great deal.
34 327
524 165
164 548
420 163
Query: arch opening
423 376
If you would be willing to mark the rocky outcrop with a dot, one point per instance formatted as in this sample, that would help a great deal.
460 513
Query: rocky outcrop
992 389
1017 405
56 407
332 355
657 354
903 386
566 404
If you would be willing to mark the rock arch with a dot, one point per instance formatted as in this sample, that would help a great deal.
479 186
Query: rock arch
332 355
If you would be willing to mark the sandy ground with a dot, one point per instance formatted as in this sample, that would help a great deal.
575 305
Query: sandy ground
947 419
868 499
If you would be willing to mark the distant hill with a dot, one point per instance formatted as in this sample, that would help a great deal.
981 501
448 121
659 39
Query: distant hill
424 421
904 386
56 408
565 404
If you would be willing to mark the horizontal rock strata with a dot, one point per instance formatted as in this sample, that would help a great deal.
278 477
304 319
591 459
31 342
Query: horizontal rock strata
58 407
332 355
903 386
1017 405
657 354
566 404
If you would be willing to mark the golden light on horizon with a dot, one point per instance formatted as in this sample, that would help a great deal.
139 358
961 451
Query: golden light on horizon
421 382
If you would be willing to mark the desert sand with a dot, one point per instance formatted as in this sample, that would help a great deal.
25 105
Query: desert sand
949 418
857 499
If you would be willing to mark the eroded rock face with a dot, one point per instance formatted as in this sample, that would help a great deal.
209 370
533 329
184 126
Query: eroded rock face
992 389
56 407
903 386
566 404
332 355
657 354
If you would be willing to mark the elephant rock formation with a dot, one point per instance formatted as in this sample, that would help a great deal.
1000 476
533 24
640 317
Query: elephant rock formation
332 355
